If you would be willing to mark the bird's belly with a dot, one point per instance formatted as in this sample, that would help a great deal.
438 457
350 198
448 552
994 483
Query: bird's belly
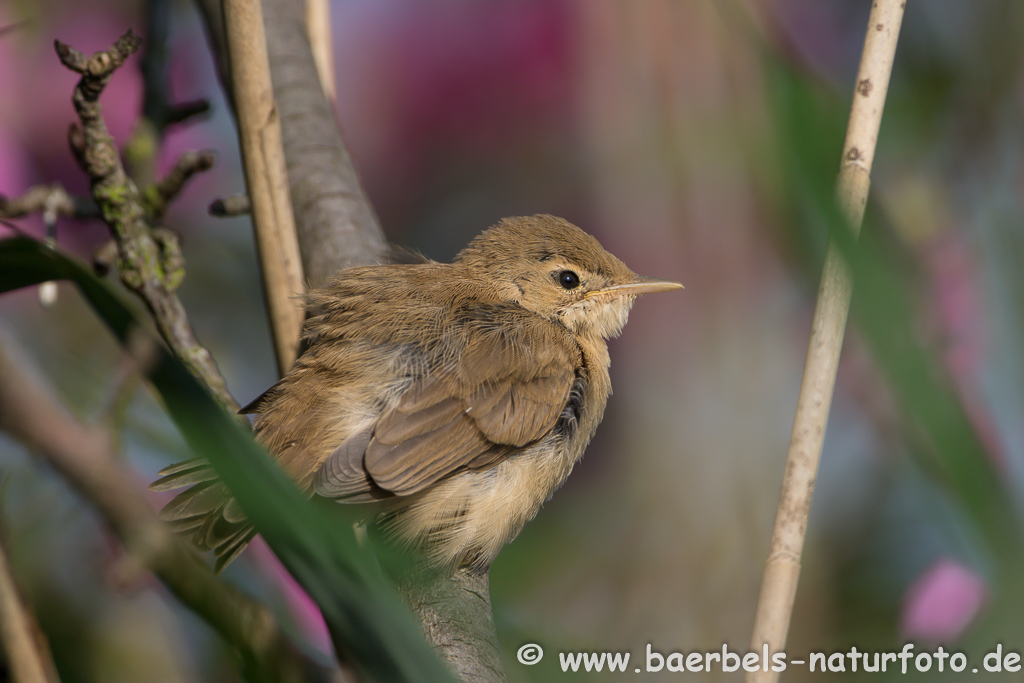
467 518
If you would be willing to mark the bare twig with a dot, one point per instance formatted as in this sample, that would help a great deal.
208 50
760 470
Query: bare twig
159 195
104 257
259 135
28 656
782 569
43 198
85 456
235 205
148 263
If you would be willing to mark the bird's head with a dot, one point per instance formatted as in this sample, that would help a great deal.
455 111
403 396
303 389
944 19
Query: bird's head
549 266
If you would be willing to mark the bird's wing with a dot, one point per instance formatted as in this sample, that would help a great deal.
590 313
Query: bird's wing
504 388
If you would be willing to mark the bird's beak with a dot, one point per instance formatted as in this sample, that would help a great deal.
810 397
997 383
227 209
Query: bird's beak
639 285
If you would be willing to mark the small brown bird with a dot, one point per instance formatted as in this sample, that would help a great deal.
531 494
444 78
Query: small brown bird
456 397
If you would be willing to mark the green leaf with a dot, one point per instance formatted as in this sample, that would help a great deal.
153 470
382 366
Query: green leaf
371 628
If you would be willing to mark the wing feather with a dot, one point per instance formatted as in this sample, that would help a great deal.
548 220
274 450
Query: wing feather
519 413
500 386
342 475
414 463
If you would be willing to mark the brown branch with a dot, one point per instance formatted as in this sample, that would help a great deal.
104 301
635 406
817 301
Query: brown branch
148 264
336 225
53 199
160 194
235 205
782 568
454 611
85 456
337 228
28 656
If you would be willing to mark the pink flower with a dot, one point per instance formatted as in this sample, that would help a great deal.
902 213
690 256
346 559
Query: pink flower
942 603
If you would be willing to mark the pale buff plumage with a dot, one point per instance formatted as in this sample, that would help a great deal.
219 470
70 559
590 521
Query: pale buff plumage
454 397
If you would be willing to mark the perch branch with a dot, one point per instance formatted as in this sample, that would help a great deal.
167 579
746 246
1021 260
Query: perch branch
259 137
48 198
454 611
782 568
85 456
148 262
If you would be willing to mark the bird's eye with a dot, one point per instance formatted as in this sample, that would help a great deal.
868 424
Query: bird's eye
568 279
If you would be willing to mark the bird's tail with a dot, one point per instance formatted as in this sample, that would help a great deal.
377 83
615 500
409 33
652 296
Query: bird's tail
205 511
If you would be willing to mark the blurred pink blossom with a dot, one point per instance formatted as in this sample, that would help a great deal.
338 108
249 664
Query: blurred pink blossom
942 602
304 610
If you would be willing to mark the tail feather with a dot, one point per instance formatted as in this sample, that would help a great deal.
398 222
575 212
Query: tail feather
199 500
183 474
183 466
205 511
233 546
185 525
233 511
